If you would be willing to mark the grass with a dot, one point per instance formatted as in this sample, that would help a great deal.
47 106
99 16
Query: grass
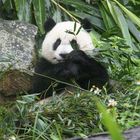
82 113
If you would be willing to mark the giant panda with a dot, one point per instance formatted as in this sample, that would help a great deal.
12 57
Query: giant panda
64 58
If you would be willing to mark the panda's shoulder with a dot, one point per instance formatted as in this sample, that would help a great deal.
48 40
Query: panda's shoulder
42 64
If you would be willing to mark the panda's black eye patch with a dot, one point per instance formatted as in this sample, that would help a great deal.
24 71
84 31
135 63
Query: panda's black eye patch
74 44
56 44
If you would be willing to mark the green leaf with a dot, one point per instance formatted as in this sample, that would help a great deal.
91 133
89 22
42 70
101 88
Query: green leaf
132 16
109 4
74 26
70 32
123 25
78 4
109 122
7 4
39 11
95 37
97 22
23 10
57 15
78 30
134 30
108 20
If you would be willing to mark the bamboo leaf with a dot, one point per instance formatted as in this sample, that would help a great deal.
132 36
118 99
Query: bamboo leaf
39 10
74 26
134 30
57 15
23 10
108 20
132 16
94 20
7 4
79 4
78 30
123 25
109 122
111 10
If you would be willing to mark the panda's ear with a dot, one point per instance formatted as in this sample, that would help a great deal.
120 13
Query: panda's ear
49 24
86 25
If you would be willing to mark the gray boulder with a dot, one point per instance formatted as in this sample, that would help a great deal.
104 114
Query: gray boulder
17 40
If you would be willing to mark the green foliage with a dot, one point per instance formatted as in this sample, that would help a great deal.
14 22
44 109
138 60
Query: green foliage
120 59
23 10
39 8
6 120
82 113
110 123
77 114
106 16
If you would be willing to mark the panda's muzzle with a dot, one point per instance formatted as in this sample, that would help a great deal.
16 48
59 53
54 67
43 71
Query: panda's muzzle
64 55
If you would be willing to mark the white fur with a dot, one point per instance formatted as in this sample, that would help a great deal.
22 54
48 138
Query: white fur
60 31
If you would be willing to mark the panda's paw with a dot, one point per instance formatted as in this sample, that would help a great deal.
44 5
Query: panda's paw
78 56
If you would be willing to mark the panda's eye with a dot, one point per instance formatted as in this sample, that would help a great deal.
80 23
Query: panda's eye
56 44
74 44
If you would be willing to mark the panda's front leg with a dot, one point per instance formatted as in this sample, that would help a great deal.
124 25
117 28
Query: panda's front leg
87 70
47 74
78 57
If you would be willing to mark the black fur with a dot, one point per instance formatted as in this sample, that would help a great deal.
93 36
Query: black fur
49 24
56 43
78 66
86 25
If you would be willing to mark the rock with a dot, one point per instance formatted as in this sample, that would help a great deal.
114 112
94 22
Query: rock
17 40
131 134
15 82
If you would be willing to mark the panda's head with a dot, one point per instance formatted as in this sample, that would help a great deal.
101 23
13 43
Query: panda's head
63 37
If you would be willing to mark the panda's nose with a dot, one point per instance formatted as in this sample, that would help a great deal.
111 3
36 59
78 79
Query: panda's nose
64 55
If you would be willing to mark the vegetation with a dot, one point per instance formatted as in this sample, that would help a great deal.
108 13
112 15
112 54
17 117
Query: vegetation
116 25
